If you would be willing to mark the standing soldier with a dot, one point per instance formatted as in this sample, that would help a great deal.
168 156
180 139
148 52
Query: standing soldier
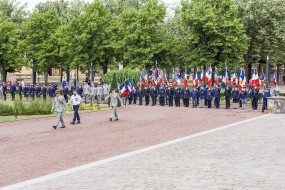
13 91
186 96
86 92
167 95
130 96
20 91
26 92
32 92
209 97
59 104
140 95
152 95
265 95
105 90
76 103
50 91
217 96
1 91
162 94
114 103
92 93
65 93
38 91
99 94
228 94
195 97
202 96
44 90
255 97
243 97
177 95
146 94
182 94
170 98
135 95
4 91
235 97
80 90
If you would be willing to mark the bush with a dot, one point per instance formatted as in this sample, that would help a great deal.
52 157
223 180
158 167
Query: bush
36 107
6 109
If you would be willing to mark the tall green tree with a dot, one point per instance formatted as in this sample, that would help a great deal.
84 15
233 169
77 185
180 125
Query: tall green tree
214 33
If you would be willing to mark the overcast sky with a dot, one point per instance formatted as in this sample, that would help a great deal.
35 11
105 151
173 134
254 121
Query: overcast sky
32 3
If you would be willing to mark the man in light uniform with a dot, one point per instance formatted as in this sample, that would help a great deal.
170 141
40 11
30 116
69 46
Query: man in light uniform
76 103
86 92
114 103
99 94
59 104
93 92
105 91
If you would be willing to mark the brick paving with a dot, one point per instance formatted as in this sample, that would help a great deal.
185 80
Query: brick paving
244 156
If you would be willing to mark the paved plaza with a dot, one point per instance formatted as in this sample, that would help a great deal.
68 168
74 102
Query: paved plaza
245 155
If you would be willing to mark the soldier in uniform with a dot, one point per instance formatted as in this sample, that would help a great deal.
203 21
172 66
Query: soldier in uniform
32 92
50 91
243 97
140 95
255 97
162 94
228 94
26 92
170 97
93 92
167 95
235 97
135 95
13 91
76 103
130 96
65 93
80 90
146 95
44 91
99 94
114 103
202 96
38 91
105 90
20 91
209 97
177 95
265 95
86 92
250 94
182 95
217 96
195 97
59 104
72 89
186 96
1 91
4 91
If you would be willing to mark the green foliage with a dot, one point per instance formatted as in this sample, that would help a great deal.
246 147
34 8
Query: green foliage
6 109
121 76
36 107
214 33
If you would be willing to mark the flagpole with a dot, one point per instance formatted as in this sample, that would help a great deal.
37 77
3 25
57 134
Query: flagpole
267 71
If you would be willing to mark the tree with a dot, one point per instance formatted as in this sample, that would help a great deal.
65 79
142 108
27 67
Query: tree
213 33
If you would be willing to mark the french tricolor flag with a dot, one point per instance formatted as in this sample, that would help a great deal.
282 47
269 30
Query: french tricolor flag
185 78
275 75
196 79
123 90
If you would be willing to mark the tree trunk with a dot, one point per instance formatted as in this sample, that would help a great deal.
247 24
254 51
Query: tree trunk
77 73
34 77
105 69
46 78
92 72
68 74
4 76
61 73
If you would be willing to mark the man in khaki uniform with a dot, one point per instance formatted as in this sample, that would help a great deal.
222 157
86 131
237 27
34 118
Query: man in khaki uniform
114 103
59 104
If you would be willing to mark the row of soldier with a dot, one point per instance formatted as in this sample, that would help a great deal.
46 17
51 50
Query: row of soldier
90 93
201 96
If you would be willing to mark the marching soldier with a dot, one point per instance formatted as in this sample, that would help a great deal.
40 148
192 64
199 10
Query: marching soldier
255 97
228 94
65 93
243 97
32 92
13 91
38 91
146 95
114 103
209 96
202 97
20 91
195 97
265 95
235 97
26 92
76 103
177 95
59 104
217 96
44 90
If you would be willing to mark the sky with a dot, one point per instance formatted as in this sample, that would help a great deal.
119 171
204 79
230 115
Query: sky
32 3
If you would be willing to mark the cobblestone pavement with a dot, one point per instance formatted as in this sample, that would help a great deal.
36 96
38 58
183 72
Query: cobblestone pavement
247 155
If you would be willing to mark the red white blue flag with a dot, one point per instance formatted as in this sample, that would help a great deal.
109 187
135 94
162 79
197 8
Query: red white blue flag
123 90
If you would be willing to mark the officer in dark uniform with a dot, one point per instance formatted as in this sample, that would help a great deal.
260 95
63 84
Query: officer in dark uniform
153 95
13 91
182 95
171 94
202 97
186 96
50 91
72 89
255 97
162 94
195 97
55 86
20 91
265 95
26 92
44 91
146 95
177 95
140 95
130 96
167 90
38 91
217 95
80 90
65 93
209 97
4 91
228 95
135 95
32 92
250 94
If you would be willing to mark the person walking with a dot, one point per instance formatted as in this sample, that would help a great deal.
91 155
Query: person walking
114 103
59 104
76 103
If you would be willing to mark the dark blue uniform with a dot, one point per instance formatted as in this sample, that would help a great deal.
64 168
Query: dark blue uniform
177 95
135 95
26 92
235 96
182 95
162 94
73 88
140 96
130 96
209 97
217 95
65 93
195 97
228 94
13 91
146 94
186 96
170 97
20 91
255 98
80 90
32 92
38 91
4 92
44 91
265 95
250 94
50 93
202 97
153 95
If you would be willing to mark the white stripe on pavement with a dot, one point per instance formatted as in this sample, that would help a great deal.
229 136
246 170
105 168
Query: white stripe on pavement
108 160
